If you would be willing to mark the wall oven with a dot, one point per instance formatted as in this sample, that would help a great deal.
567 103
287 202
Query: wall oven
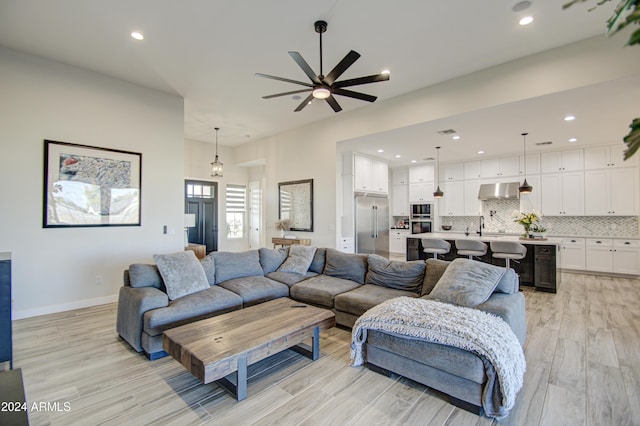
421 211
421 226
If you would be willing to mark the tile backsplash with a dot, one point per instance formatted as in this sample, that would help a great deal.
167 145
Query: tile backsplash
502 220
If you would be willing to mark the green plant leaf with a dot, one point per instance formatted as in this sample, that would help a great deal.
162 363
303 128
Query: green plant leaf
632 139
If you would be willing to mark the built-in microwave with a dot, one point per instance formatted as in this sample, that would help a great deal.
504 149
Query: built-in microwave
421 226
421 211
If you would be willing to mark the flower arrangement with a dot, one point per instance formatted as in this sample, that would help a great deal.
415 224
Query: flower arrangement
528 221
283 225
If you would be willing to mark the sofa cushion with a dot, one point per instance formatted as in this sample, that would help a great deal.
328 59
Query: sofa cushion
346 265
203 304
434 268
254 289
209 265
271 259
467 282
319 260
321 289
230 265
182 273
406 276
143 275
359 300
509 283
299 259
289 278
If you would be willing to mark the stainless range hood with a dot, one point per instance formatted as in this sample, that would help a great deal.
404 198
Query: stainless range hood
499 191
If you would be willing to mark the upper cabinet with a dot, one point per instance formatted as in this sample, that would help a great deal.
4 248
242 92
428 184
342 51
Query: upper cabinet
400 176
605 157
533 164
562 161
452 171
500 167
473 170
562 194
370 175
423 173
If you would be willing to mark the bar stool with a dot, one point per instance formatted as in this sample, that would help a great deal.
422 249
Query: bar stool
508 250
471 248
435 246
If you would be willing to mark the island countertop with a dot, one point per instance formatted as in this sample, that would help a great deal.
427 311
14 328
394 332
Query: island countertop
487 238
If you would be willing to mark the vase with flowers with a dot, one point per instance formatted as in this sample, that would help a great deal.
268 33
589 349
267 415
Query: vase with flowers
283 225
528 221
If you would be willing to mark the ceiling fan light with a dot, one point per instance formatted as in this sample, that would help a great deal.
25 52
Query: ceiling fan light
321 93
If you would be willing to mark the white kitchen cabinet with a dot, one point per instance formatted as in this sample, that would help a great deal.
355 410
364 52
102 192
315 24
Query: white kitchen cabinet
562 194
626 257
606 157
562 161
612 192
400 176
499 167
370 175
452 171
473 169
452 203
472 205
533 164
422 173
421 192
572 254
345 245
398 240
599 254
531 201
400 200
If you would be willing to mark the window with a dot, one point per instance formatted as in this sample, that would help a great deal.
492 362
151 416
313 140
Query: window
236 208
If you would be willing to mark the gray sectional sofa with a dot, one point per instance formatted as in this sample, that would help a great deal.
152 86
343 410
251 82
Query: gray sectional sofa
349 284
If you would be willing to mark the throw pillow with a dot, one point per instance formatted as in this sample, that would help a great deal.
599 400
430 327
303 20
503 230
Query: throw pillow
319 260
230 265
467 283
299 260
182 273
349 266
271 259
142 275
434 268
509 283
209 265
406 276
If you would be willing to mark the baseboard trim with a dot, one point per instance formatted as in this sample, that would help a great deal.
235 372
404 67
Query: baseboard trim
53 309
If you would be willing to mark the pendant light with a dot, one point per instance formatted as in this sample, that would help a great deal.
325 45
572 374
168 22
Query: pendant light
216 166
438 193
525 188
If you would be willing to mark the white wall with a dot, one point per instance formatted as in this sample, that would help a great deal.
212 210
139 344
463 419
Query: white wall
310 152
198 156
56 269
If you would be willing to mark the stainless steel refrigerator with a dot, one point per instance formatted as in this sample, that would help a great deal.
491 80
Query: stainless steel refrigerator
372 225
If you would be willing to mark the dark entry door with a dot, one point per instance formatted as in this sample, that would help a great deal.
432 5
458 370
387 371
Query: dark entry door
201 199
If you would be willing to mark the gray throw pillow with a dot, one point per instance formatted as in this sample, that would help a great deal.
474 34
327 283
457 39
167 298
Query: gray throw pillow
271 259
349 266
434 268
319 260
467 283
299 259
230 265
182 273
406 276
209 265
143 275
509 283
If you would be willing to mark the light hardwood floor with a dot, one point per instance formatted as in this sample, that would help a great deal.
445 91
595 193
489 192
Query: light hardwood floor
583 367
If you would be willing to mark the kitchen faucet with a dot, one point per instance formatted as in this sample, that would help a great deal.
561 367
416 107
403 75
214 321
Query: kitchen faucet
480 225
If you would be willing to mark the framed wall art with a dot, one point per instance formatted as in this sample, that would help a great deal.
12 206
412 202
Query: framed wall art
90 186
296 204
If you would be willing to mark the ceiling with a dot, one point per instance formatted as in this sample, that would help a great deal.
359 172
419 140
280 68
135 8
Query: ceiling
207 52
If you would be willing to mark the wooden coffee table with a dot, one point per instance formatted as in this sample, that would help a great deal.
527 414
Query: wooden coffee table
216 347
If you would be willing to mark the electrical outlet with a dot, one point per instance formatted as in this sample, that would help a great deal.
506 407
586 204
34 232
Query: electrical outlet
99 280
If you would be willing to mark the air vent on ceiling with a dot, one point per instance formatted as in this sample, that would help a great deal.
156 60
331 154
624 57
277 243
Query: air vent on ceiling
544 143
447 132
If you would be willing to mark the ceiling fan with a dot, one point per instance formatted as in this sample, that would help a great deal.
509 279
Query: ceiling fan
324 87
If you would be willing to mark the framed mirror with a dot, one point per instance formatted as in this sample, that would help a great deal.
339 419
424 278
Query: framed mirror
295 204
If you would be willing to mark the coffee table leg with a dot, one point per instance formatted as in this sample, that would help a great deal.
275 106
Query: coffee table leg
314 352
239 390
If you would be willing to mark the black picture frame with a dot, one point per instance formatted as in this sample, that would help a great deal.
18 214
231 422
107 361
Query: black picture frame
89 186
295 203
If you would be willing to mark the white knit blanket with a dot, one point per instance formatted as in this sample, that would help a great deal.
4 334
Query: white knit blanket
481 333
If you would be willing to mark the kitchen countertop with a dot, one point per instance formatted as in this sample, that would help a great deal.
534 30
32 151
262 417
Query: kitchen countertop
487 238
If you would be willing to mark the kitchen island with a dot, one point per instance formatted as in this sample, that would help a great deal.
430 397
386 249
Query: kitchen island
539 267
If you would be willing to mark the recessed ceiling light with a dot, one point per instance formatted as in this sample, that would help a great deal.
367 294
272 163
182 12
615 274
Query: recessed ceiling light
137 35
569 118
573 140
381 150
456 137
526 20
413 161
480 152
385 72
398 155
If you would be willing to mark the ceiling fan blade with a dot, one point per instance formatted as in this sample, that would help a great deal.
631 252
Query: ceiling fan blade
356 95
304 103
334 104
305 66
342 66
286 93
286 80
361 80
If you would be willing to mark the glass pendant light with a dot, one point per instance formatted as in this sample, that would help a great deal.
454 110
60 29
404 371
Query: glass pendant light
525 188
216 166
438 193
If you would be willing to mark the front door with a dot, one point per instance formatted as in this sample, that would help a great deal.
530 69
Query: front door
201 199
